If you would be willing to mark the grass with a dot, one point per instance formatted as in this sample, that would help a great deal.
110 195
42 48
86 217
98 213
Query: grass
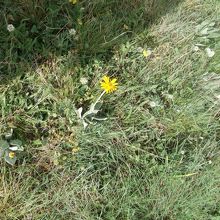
156 157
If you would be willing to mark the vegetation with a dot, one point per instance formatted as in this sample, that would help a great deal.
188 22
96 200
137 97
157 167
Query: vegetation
156 155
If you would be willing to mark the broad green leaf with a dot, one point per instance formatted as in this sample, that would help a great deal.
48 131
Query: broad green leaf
98 106
16 142
4 144
91 114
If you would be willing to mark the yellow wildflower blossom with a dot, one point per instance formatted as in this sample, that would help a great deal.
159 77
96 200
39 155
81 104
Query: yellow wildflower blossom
11 154
146 53
75 149
109 85
73 1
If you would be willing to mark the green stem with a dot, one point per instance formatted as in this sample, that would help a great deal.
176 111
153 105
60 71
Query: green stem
98 99
93 106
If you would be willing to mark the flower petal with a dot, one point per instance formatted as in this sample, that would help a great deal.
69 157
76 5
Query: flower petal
106 79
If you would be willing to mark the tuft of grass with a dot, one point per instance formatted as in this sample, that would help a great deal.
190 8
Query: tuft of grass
156 157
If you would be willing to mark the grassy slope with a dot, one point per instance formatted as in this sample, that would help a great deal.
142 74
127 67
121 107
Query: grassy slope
144 162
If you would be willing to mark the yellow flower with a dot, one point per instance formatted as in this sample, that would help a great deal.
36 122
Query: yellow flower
108 85
146 53
11 154
73 1
75 149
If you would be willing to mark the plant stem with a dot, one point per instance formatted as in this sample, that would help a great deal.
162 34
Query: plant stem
92 107
98 99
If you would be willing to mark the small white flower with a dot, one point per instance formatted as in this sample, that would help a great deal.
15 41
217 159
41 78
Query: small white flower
72 32
153 104
10 27
210 53
116 58
195 48
84 80
210 162
140 49
182 152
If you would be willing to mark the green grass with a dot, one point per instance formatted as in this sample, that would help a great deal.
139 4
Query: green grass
144 162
